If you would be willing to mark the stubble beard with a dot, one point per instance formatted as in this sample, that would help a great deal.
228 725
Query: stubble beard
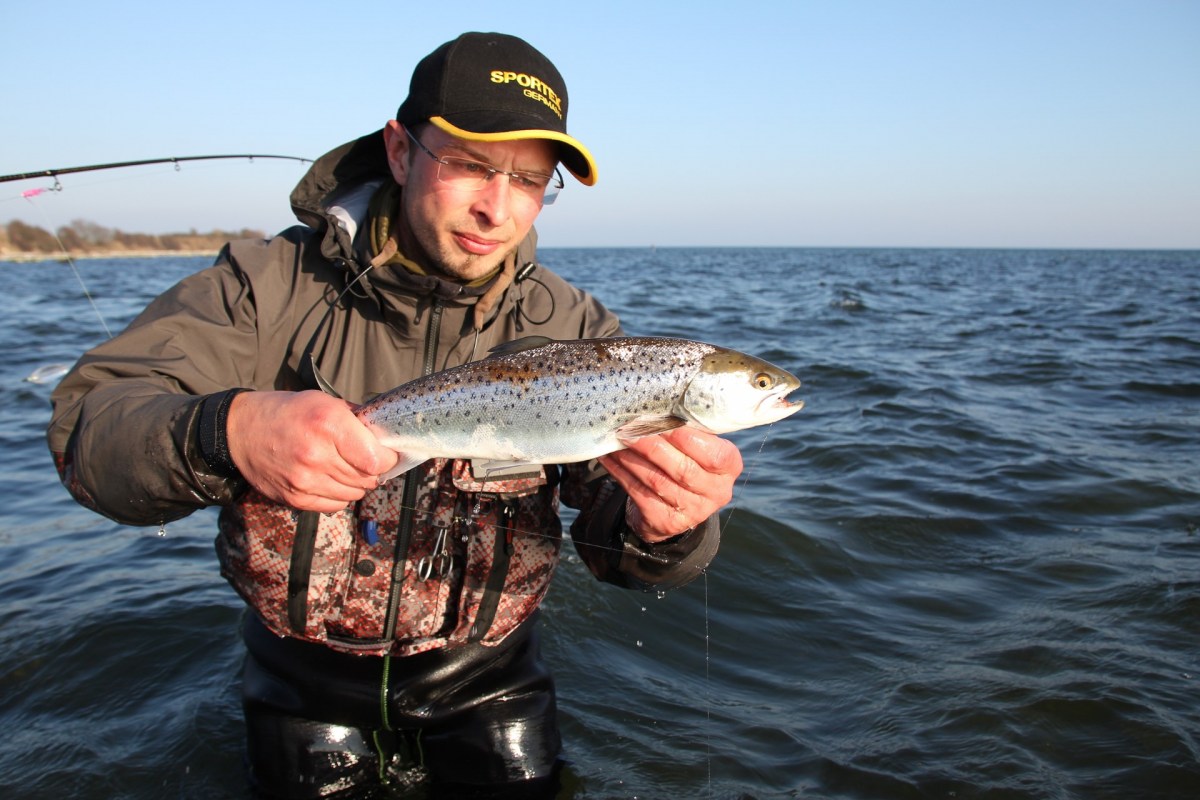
467 266
440 252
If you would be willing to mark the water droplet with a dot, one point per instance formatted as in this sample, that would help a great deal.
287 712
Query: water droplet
639 642
162 530
661 594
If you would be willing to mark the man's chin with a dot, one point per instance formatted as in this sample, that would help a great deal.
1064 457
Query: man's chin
468 267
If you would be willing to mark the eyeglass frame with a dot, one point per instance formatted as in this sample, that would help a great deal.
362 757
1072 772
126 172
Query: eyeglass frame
554 181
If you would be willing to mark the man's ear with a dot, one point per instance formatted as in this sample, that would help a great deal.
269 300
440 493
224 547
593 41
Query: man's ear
395 140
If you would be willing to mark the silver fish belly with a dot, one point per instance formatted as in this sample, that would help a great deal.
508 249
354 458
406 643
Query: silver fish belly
563 402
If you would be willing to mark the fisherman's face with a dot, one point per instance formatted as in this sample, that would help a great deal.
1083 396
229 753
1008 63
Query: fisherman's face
467 234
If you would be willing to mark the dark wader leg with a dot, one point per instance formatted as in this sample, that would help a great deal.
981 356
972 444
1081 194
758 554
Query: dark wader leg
487 728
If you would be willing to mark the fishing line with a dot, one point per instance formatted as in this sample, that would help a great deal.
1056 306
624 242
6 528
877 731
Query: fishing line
83 186
70 261
176 162
746 473
49 372
708 694
470 519
751 467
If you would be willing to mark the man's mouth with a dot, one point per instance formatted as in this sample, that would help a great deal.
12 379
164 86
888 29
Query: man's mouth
477 245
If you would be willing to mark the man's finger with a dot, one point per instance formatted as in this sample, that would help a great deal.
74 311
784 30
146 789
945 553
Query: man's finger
711 452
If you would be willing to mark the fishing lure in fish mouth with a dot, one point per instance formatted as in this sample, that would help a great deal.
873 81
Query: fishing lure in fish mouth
542 401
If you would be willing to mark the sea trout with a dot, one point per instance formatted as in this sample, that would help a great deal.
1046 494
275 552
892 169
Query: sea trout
541 401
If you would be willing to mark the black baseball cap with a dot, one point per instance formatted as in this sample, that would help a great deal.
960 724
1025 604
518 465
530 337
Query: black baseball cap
492 87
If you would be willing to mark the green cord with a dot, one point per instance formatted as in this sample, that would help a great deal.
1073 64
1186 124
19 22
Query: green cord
383 693
387 747
380 750
387 725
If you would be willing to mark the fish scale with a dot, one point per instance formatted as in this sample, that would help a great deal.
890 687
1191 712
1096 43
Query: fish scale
561 402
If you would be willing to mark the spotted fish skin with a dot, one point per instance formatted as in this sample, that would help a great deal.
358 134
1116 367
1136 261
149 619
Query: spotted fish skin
561 402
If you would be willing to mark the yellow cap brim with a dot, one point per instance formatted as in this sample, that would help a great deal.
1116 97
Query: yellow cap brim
574 156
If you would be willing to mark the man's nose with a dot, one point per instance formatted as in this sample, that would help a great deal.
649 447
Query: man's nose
494 200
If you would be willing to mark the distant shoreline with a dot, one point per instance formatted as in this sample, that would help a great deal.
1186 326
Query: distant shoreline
22 243
25 257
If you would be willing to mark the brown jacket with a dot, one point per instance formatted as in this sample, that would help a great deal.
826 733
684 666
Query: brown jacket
124 428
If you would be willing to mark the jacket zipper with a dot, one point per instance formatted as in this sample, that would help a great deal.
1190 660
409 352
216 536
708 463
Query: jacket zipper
409 497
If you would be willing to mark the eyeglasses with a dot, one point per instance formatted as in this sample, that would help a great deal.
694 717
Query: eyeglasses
473 176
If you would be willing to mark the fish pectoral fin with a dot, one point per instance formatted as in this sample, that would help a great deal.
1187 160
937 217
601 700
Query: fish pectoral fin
521 345
407 461
648 426
313 377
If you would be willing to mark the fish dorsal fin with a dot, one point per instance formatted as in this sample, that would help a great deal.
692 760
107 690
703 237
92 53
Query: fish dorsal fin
521 345
648 426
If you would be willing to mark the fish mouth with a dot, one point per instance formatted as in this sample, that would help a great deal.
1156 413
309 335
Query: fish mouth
778 405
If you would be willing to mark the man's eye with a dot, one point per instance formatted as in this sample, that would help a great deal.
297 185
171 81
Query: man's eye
526 181
473 168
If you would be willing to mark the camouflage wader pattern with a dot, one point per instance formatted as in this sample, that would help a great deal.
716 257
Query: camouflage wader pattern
467 561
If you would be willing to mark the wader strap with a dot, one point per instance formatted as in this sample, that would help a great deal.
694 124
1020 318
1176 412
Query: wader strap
495 581
301 569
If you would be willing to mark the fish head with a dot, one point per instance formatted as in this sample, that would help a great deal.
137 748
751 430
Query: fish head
732 391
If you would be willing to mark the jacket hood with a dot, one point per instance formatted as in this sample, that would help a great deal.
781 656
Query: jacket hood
340 172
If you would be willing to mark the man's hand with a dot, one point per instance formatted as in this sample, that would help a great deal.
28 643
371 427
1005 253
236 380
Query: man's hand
306 450
676 480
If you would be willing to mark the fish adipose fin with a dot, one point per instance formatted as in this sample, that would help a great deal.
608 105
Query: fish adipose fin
521 345
648 426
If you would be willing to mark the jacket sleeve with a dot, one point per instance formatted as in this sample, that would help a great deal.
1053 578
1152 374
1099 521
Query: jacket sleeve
614 553
123 431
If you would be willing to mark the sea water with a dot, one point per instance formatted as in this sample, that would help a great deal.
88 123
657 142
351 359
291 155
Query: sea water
969 568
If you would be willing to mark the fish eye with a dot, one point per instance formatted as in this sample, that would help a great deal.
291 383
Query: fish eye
763 381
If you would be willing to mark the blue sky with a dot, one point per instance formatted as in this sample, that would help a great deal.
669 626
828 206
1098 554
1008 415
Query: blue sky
1003 124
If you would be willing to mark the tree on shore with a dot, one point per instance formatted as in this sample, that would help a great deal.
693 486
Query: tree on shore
82 237
29 238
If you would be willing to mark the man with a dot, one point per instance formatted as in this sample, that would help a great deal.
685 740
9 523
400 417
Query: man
393 625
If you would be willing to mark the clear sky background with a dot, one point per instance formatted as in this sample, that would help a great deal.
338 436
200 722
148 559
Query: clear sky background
1024 123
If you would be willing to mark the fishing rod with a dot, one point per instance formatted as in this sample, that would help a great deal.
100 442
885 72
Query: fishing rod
176 160
52 372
